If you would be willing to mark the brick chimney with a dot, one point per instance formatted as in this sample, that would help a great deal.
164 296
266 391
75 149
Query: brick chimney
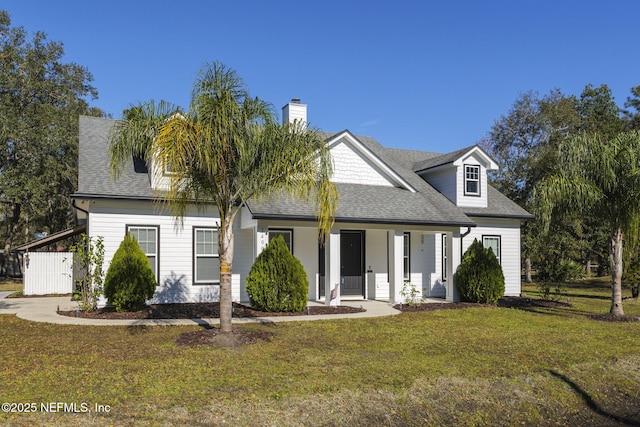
295 111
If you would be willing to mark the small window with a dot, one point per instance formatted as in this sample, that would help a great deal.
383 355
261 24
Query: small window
287 235
147 238
472 180
407 256
493 243
206 262
444 257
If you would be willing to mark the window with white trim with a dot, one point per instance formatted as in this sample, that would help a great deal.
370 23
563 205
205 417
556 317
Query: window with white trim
147 238
286 233
472 180
493 243
206 261
406 256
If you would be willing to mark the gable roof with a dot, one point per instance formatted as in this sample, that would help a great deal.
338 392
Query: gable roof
365 150
358 202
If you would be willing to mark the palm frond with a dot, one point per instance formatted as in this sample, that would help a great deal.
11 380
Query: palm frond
135 133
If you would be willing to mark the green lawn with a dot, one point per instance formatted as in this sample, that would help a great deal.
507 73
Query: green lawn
459 367
9 284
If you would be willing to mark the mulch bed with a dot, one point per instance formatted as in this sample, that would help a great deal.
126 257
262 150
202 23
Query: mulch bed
213 337
505 302
205 310
608 317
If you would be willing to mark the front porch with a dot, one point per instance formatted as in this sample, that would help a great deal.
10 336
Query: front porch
360 262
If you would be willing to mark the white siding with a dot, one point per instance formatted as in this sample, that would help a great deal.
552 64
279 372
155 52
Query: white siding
509 232
465 200
444 181
110 218
377 264
350 167
305 248
48 273
242 261
432 282
450 180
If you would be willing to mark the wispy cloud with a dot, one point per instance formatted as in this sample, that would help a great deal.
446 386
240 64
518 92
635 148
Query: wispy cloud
368 124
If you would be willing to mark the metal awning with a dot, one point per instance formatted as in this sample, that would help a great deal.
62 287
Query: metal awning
52 238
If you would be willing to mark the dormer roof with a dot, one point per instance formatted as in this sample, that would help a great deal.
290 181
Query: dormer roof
456 158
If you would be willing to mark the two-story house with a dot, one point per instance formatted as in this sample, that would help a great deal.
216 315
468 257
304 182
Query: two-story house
404 216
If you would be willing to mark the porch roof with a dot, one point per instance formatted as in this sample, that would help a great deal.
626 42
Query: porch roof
367 204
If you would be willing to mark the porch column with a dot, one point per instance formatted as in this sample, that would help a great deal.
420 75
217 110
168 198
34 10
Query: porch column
396 266
332 280
454 256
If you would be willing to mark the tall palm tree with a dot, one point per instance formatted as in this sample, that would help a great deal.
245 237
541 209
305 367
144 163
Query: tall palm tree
228 148
601 179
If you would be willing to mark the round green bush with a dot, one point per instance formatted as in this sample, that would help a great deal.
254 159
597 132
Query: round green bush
130 280
277 280
479 277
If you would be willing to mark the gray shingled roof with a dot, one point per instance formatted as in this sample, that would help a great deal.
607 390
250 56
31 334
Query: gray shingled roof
499 206
94 177
358 203
368 204
441 159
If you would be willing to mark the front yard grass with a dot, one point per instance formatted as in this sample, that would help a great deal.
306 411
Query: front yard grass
477 366
10 284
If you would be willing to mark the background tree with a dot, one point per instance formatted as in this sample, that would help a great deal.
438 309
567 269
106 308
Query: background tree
632 118
41 98
228 148
524 142
599 112
600 178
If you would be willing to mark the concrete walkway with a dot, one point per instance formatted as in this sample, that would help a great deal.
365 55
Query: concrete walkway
43 309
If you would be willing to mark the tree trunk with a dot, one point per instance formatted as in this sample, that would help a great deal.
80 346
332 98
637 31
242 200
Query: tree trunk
615 260
587 267
15 220
527 269
226 260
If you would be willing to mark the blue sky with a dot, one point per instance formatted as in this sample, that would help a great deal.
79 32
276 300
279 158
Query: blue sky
427 75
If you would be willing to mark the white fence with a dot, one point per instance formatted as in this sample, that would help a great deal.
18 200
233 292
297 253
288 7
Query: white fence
48 273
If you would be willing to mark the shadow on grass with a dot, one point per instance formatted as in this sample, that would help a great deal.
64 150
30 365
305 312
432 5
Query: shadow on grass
592 404
558 312
589 296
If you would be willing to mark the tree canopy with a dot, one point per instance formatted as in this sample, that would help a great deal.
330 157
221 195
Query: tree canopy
41 98
525 143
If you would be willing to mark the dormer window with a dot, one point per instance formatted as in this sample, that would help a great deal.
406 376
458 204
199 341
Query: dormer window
471 180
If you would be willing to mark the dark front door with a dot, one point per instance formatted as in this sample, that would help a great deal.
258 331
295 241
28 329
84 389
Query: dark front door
352 263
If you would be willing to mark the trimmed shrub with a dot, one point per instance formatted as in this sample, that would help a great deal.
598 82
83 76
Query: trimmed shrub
130 280
479 277
277 280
